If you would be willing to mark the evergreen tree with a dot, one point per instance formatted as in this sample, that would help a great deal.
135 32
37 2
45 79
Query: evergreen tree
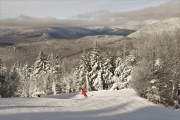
26 81
56 74
42 64
4 82
96 68
20 76
41 71
56 65
122 72
15 86
3 73
108 70
52 74
82 72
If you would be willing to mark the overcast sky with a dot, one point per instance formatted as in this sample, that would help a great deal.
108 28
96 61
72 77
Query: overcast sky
62 9
86 13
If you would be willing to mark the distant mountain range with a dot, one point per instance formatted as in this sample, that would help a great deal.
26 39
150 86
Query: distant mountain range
19 35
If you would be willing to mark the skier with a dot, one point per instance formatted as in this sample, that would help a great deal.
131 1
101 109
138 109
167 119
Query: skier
83 92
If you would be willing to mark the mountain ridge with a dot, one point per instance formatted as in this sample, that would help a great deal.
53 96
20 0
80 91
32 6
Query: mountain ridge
168 25
29 34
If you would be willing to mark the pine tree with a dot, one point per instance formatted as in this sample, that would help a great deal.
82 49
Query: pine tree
4 80
56 65
15 87
41 70
52 74
122 71
3 72
82 72
55 74
42 64
96 68
26 81
108 70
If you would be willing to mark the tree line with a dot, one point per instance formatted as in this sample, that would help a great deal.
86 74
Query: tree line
47 76
157 73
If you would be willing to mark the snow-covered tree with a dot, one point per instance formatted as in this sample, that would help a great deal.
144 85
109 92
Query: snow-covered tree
53 74
41 65
82 73
25 79
122 72
96 67
107 71
158 60
41 70
56 64
4 81
3 72
16 78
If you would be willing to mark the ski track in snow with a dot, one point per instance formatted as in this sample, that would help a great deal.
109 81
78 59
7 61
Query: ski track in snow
100 105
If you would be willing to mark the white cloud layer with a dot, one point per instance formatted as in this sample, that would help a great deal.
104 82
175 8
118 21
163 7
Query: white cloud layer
97 18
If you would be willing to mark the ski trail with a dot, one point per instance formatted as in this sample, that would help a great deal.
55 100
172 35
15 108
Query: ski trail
100 105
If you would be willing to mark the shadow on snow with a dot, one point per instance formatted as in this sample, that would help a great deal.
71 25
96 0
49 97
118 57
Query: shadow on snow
121 112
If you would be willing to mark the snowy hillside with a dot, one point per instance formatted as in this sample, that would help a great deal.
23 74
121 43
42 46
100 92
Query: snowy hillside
100 105
168 25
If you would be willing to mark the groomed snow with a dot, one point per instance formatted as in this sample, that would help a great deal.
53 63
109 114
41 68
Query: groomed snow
100 105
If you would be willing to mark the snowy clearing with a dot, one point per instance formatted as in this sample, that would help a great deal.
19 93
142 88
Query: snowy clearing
100 105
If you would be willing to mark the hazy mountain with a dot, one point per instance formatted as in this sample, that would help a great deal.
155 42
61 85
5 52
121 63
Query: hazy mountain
29 34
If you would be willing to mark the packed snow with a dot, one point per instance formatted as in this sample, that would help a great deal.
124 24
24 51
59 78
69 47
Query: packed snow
99 105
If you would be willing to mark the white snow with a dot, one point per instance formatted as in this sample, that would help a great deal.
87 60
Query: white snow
100 105
168 25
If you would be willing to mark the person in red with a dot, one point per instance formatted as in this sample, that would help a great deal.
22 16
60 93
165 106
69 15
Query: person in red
83 92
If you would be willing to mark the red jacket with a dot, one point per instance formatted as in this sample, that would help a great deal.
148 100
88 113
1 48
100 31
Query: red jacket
84 92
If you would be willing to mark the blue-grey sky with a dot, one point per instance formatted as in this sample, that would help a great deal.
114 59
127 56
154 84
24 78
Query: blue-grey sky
63 9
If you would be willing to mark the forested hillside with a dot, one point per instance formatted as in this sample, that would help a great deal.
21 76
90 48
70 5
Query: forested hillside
48 76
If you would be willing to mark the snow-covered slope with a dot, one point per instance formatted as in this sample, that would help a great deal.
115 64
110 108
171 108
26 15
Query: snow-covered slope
168 25
100 105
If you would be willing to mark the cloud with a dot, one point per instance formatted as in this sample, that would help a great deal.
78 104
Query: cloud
23 20
166 10
100 18
97 15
